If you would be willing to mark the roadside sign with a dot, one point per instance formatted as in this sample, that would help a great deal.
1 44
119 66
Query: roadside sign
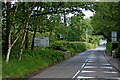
114 36
41 41
64 42
61 35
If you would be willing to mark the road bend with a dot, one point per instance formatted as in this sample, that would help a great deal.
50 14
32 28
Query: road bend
90 64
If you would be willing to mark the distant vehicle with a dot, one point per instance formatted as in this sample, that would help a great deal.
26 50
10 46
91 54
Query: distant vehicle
103 42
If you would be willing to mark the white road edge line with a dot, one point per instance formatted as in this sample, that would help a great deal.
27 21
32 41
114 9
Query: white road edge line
76 74
86 60
79 70
81 67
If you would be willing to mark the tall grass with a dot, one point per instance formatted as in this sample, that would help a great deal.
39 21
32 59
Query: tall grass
31 61
38 58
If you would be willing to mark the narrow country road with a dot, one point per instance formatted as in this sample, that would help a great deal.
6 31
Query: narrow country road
88 64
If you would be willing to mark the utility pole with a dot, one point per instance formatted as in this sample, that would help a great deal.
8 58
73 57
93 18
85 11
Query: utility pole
64 23
65 18
86 34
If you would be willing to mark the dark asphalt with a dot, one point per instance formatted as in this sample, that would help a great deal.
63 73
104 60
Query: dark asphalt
88 64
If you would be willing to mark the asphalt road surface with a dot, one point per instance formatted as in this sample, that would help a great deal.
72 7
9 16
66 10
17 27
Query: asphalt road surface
90 64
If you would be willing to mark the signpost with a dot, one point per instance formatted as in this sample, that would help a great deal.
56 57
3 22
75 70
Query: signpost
41 41
61 36
114 36
64 42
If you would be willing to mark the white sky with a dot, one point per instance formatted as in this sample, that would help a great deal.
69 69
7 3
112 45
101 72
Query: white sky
87 13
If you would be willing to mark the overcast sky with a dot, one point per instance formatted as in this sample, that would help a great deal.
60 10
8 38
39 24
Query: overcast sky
87 13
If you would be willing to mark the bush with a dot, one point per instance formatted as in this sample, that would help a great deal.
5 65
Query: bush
79 47
111 46
74 47
58 45
72 51
118 53
31 61
38 58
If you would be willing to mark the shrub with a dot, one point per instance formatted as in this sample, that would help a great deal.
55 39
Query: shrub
79 46
31 61
38 58
111 46
58 45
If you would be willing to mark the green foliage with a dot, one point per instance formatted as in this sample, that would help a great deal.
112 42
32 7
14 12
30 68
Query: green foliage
31 61
117 53
72 51
75 27
80 46
38 59
58 45
45 20
23 67
105 19
109 48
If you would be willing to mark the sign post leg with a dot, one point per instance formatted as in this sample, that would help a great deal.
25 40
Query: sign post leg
38 48
46 51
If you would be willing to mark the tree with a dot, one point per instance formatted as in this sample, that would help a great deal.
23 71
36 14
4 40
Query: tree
17 17
26 28
104 20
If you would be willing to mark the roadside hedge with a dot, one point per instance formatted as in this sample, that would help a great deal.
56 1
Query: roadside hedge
58 45
74 47
111 46
38 58
31 61
79 47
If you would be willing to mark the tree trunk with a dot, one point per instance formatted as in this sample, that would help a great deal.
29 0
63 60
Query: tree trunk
32 47
65 19
8 25
35 32
26 26
27 40
108 37
118 29
8 54
50 33
9 30
118 36
9 47
21 46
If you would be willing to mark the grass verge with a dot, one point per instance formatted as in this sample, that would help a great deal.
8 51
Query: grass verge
38 59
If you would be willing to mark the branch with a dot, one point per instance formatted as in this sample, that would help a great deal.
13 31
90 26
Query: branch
16 38
29 14
57 11
16 9
13 8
